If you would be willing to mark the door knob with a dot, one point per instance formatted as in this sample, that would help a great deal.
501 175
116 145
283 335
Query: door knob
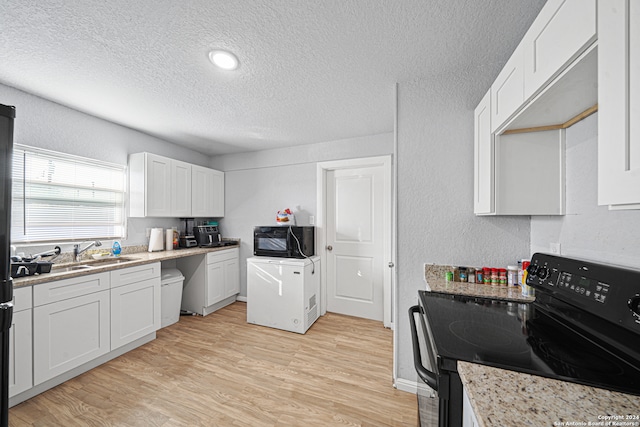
329 248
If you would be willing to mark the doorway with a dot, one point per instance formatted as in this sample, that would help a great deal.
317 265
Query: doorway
354 232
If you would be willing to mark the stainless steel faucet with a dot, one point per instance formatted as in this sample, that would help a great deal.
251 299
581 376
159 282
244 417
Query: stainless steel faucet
77 251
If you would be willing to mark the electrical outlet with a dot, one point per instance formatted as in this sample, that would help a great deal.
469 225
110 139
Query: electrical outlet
312 220
555 248
148 232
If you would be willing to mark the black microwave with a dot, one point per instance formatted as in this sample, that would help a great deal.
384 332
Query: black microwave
284 241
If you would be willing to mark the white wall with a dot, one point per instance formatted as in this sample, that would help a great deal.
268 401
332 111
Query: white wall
45 124
436 223
588 231
259 184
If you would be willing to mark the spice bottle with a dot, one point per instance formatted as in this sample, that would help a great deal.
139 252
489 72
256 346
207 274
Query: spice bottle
471 272
479 275
494 276
462 271
502 276
512 275
486 273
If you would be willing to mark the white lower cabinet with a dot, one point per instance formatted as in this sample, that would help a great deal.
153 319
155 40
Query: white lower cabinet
469 418
135 303
211 281
21 342
69 333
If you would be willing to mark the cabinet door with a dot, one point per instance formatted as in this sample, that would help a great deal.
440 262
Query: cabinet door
201 191
69 333
20 353
180 189
215 283
483 157
158 185
217 195
231 277
135 311
619 103
561 32
507 91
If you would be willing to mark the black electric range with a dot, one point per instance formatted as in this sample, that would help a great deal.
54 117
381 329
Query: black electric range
584 327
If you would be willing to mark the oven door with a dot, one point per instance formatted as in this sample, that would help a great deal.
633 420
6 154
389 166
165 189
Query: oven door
424 360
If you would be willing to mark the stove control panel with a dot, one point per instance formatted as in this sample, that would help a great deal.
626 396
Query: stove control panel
610 292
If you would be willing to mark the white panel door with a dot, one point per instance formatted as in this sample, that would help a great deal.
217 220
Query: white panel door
561 32
158 186
355 258
69 333
20 353
483 159
619 103
180 189
215 283
135 311
507 91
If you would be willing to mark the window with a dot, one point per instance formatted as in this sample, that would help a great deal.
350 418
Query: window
58 197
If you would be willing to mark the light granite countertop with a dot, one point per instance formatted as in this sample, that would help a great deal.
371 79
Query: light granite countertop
434 276
506 398
127 260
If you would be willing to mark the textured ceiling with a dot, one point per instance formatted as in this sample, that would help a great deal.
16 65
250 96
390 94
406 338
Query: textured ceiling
310 71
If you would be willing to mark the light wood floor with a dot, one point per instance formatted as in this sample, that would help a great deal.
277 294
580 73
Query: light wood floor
220 371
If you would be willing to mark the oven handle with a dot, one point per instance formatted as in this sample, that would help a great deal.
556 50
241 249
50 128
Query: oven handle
427 376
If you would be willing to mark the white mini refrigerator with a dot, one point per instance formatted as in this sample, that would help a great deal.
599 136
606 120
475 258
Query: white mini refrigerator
283 293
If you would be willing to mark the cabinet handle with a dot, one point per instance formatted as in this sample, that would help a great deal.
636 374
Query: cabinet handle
329 248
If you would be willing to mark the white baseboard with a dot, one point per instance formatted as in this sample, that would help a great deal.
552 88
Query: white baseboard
241 298
406 385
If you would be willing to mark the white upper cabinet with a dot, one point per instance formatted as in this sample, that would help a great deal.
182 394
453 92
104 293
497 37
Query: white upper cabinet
562 30
180 189
619 104
548 83
163 187
483 157
507 91
207 192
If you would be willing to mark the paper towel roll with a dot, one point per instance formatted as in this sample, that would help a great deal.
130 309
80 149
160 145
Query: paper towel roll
168 240
156 240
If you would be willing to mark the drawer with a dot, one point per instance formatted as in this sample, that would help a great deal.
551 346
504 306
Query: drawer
68 288
224 255
22 298
136 274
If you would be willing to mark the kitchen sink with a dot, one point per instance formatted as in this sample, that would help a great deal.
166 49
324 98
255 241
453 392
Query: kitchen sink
71 268
107 261
88 265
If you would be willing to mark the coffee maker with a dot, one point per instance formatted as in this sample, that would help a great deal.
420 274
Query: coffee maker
187 239
207 236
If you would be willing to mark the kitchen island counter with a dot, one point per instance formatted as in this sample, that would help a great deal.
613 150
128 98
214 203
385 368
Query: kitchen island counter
434 276
128 260
507 398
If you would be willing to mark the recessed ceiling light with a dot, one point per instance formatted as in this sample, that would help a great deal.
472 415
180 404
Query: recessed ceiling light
223 59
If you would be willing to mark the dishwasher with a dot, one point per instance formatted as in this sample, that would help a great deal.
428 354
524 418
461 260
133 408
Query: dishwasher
283 293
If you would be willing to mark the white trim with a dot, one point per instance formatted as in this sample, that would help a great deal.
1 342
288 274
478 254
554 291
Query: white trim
388 225
406 385
394 237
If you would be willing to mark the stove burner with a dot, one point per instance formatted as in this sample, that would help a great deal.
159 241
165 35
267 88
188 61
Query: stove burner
486 337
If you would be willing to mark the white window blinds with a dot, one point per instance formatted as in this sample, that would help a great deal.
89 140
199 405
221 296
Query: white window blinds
58 197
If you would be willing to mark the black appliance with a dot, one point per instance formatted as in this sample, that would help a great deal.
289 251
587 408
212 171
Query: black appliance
186 239
7 116
584 327
284 241
207 235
